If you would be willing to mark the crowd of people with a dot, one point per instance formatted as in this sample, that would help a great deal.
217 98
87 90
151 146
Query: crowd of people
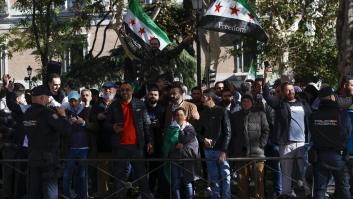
307 128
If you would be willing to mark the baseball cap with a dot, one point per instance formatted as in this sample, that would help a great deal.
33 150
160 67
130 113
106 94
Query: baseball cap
41 90
109 85
74 95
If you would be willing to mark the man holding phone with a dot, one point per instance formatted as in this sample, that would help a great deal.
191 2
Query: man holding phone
129 119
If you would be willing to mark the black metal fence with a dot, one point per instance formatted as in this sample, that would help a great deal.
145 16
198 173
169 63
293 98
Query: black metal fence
128 185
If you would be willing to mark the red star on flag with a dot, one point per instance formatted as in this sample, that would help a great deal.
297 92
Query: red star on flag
218 7
132 22
251 16
235 10
141 31
152 37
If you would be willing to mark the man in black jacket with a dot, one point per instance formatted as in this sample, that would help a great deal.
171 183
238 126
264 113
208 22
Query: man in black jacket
330 128
44 127
156 113
214 135
15 99
131 139
290 131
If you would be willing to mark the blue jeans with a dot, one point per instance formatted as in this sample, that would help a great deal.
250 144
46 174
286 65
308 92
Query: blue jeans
218 175
272 150
178 180
331 163
43 183
82 173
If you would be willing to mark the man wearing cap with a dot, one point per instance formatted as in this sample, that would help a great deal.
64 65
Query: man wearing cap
129 120
78 144
44 127
102 135
330 127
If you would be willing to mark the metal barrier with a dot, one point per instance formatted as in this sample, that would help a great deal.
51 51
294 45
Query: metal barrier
128 185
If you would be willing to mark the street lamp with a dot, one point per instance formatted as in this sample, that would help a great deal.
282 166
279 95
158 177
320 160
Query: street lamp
197 5
29 73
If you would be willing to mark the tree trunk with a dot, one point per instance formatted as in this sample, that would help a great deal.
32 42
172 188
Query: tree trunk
344 32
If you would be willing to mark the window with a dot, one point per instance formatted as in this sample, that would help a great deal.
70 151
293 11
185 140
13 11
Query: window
75 52
245 56
149 1
3 60
3 8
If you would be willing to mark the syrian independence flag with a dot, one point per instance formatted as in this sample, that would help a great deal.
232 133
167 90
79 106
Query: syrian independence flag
141 27
252 71
233 16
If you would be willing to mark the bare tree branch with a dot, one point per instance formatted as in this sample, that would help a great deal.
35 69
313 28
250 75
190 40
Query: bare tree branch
98 26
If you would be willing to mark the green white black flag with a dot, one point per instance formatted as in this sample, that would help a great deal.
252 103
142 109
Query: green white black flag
252 71
233 16
142 26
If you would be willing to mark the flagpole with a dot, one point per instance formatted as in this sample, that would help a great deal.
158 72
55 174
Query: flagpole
198 49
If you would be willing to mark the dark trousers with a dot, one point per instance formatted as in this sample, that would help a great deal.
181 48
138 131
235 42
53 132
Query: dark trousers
272 150
8 174
350 171
122 171
155 170
331 163
43 182
21 174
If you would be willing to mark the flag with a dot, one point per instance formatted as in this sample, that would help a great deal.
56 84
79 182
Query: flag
233 16
142 27
252 71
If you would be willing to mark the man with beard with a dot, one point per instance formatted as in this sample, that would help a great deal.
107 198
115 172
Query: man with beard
129 120
102 135
156 113
154 61
196 94
176 97
347 91
290 131
228 102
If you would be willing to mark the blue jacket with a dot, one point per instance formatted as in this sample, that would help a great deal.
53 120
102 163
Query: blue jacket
79 136
350 139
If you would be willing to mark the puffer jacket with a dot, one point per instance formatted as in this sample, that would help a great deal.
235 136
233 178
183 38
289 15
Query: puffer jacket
250 131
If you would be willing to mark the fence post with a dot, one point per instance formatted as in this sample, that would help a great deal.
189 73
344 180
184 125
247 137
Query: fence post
255 176
170 176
